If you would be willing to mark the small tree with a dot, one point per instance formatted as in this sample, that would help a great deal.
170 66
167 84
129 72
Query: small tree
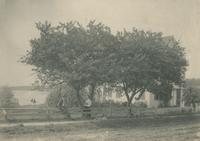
7 99
147 61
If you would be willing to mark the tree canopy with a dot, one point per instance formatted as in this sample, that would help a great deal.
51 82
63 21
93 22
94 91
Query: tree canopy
92 55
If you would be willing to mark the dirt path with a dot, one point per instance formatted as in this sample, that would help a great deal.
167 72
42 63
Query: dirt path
2 125
166 133
168 129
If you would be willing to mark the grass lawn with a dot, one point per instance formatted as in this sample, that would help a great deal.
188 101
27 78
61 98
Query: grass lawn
165 129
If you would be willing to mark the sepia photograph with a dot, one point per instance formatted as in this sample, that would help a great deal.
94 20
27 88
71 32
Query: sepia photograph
99 70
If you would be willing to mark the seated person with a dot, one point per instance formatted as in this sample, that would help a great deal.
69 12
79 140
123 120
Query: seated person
88 103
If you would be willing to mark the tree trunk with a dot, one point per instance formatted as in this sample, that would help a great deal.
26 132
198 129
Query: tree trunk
79 97
92 93
129 107
128 99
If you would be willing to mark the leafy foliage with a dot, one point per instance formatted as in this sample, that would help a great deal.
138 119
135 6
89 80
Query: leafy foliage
92 56
193 83
192 96
7 99
62 91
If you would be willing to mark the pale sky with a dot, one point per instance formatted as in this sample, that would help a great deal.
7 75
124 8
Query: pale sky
180 18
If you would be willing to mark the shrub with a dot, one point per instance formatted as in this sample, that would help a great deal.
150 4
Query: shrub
192 96
7 98
65 91
140 104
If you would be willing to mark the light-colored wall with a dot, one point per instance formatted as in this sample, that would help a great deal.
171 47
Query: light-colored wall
147 97
150 101
173 99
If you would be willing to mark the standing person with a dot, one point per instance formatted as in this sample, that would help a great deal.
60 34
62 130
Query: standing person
61 103
193 106
63 106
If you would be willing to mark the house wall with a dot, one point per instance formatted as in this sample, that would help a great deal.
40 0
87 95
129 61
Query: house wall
150 100
147 97
174 98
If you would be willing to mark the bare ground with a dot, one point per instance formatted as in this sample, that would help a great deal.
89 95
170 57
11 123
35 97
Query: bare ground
165 129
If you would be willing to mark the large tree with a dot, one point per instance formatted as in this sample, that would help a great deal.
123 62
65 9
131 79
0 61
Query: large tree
91 56
147 61
70 53
170 63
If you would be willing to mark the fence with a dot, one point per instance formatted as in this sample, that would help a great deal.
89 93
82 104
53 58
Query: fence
45 114
31 114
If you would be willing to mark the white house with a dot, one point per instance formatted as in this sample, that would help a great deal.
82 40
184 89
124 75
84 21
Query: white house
176 98
151 100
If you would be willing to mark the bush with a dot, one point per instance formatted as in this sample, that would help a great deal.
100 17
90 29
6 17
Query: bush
65 91
192 96
140 104
125 104
7 99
